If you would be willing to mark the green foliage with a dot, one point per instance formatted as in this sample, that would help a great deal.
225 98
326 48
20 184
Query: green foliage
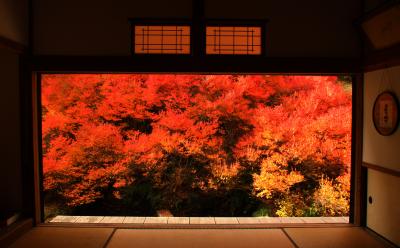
262 212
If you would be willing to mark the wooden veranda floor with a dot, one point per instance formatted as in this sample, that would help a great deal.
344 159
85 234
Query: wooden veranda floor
196 220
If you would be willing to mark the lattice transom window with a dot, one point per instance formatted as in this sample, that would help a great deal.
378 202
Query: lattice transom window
233 40
162 39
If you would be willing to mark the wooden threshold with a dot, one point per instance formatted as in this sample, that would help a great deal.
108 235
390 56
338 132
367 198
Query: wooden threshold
197 226
196 222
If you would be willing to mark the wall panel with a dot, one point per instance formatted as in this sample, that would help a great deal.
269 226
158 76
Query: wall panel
383 214
309 28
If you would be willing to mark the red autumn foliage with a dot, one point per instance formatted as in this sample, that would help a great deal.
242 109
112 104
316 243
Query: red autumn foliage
284 131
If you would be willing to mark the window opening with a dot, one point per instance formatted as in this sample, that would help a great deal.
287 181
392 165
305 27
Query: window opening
199 145
162 39
233 40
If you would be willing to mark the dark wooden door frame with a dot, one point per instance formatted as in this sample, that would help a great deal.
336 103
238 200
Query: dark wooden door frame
309 66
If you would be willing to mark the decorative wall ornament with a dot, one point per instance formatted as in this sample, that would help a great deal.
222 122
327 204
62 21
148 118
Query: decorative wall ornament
382 25
386 113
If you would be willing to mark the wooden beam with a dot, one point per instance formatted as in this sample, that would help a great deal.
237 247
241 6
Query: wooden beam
382 59
382 169
36 127
358 173
188 64
12 45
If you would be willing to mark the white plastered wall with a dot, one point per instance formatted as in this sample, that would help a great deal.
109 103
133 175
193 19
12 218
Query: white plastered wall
383 215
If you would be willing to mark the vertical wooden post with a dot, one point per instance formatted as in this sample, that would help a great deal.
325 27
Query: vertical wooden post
358 172
198 28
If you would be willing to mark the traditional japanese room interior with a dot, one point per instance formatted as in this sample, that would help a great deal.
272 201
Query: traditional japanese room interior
199 123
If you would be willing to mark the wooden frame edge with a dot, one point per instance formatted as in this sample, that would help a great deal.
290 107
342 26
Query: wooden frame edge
381 168
381 238
36 149
199 226
15 231
13 45
192 64
382 59
358 173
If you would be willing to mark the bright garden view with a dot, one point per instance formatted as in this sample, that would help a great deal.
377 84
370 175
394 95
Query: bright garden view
196 145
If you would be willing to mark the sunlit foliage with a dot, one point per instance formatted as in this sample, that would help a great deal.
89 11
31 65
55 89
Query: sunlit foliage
197 144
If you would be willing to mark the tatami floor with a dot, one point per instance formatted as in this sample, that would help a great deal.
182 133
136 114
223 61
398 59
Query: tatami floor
101 237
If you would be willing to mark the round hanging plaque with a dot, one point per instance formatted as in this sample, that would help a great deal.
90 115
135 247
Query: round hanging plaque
386 113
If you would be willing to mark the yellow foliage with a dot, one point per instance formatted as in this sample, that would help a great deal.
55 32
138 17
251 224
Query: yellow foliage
292 205
274 179
332 198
